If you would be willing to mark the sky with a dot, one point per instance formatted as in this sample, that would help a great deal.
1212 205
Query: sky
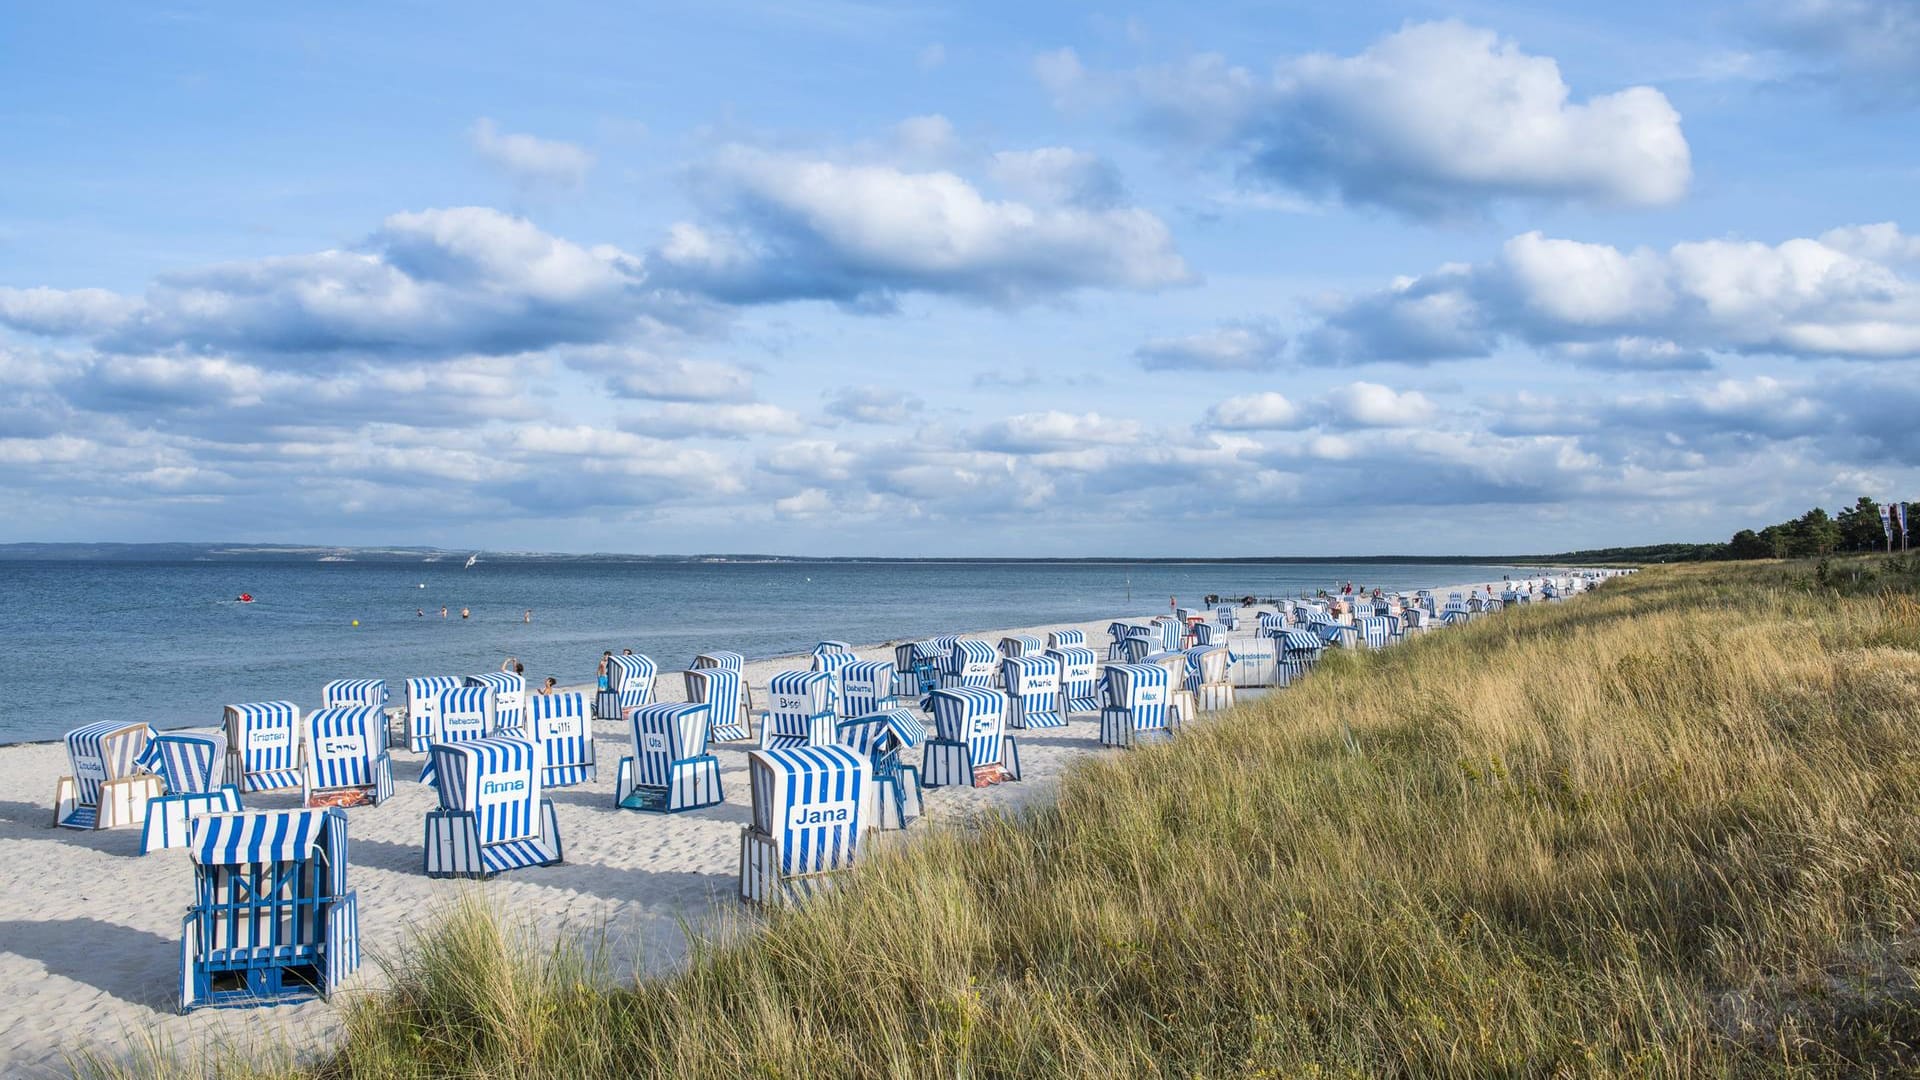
852 278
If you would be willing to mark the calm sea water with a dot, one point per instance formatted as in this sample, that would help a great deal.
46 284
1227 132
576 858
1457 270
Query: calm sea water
166 643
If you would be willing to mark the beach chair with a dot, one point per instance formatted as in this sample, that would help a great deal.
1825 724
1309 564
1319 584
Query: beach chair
272 918
1202 633
1060 639
833 664
669 768
423 709
1210 677
561 727
1170 633
885 737
970 663
345 693
799 710
1134 705
193 766
1033 691
1271 621
1017 645
826 648
727 661
467 713
1137 647
1298 650
1338 635
263 746
1117 633
346 763
811 808
629 685
1227 617
509 696
1079 679
916 670
1255 662
107 790
970 744
866 687
493 815
1180 700
1376 631
722 691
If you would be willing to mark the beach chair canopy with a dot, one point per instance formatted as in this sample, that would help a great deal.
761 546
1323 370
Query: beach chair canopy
1135 686
103 751
665 732
882 732
263 739
259 837
726 661
799 693
1020 645
562 726
466 713
1060 638
342 745
343 692
972 715
497 779
1032 676
971 658
812 801
826 647
189 762
863 685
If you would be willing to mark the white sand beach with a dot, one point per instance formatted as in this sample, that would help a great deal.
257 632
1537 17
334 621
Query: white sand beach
90 930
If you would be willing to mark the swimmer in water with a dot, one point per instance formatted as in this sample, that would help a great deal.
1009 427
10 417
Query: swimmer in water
464 613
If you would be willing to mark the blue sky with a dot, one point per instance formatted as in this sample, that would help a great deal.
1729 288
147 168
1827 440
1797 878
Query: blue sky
835 277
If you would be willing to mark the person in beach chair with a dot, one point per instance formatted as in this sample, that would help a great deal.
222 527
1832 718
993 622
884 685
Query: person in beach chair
108 788
1079 679
272 918
799 710
1033 691
493 814
1016 645
422 716
970 663
342 693
346 762
509 696
866 687
466 713
193 766
1059 639
668 769
811 809
970 744
263 746
833 663
885 737
722 691
629 685
1135 697
557 722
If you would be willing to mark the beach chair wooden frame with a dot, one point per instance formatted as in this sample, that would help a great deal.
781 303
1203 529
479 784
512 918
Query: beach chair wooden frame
799 710
192 765
493 814
811 807
885 737
107 789
264 746
1033 692
668 768
346 762
970 745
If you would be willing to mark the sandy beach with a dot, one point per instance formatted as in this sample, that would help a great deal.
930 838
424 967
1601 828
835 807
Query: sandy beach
90 929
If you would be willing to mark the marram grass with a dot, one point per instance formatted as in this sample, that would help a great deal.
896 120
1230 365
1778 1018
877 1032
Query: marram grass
1671 828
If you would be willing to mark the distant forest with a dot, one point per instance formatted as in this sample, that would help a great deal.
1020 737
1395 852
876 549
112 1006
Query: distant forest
1811 535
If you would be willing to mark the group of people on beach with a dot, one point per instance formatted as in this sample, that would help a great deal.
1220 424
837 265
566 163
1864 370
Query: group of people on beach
512 666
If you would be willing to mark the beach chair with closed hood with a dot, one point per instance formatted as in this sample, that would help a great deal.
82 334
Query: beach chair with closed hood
346 763
1227 617
799 710
1017 645
1376 631
1180 700
1033 691
466 713
1079 679
833 663
272 918
509 696
916 667
668 768
1210 677
970 745
1170 634
1135 705
728 661
193 766
723 692
108 788
970 662
1203 634
1060 639
1298 649
344 693
493 813
826 648
811 809
629 685
885 737
1117 634
422 715
263 746
866 687
559 725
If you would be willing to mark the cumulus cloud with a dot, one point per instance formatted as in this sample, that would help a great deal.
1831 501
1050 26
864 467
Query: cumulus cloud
791 227
1058 175
530 160
1843 295
679 419
63 312
1435 120
638 373
1052 430
1265 411
1365 404
1867 49
873 405
1225 348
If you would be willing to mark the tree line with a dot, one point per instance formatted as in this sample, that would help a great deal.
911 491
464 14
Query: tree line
1811 535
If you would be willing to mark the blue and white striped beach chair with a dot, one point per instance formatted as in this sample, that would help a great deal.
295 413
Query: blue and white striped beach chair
423 709
1210 677
1180 700
1299 649
916 670
346 763
668 768
509 696
970 744
1061 639
272 918
826 647
193 766
559 724
1170 633
866 687
1272 621
1016 645
493 814
1033 691
833 663
726 661
345 693
466 713
885 737
1202 633
970 663
1137 647
107 789
811 809
1338 634
1135 698
799 710
1227 617
263 746
723 692
1376 631
1117 634
1079 679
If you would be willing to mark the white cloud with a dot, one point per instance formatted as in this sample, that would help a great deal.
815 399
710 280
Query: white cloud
1058 175
873 405
1265 411
680 419
1365 404
1868 49
62 312
641 374
1053 430
531 160
1226 348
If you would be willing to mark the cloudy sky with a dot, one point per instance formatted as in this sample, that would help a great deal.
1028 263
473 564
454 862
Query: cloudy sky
839 277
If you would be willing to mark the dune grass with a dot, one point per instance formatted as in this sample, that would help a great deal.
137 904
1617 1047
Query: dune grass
1670 828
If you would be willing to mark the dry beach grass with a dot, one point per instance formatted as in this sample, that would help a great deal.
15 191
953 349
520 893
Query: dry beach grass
1666 829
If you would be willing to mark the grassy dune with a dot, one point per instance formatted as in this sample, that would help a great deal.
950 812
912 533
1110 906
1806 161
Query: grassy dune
1672 828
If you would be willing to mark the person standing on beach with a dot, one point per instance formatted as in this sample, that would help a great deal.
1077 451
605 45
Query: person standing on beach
601 671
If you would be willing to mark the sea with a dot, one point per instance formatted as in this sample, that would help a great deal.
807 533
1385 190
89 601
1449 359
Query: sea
168 643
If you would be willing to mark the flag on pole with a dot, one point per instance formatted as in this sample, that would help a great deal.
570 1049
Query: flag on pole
1900 516
1886 520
